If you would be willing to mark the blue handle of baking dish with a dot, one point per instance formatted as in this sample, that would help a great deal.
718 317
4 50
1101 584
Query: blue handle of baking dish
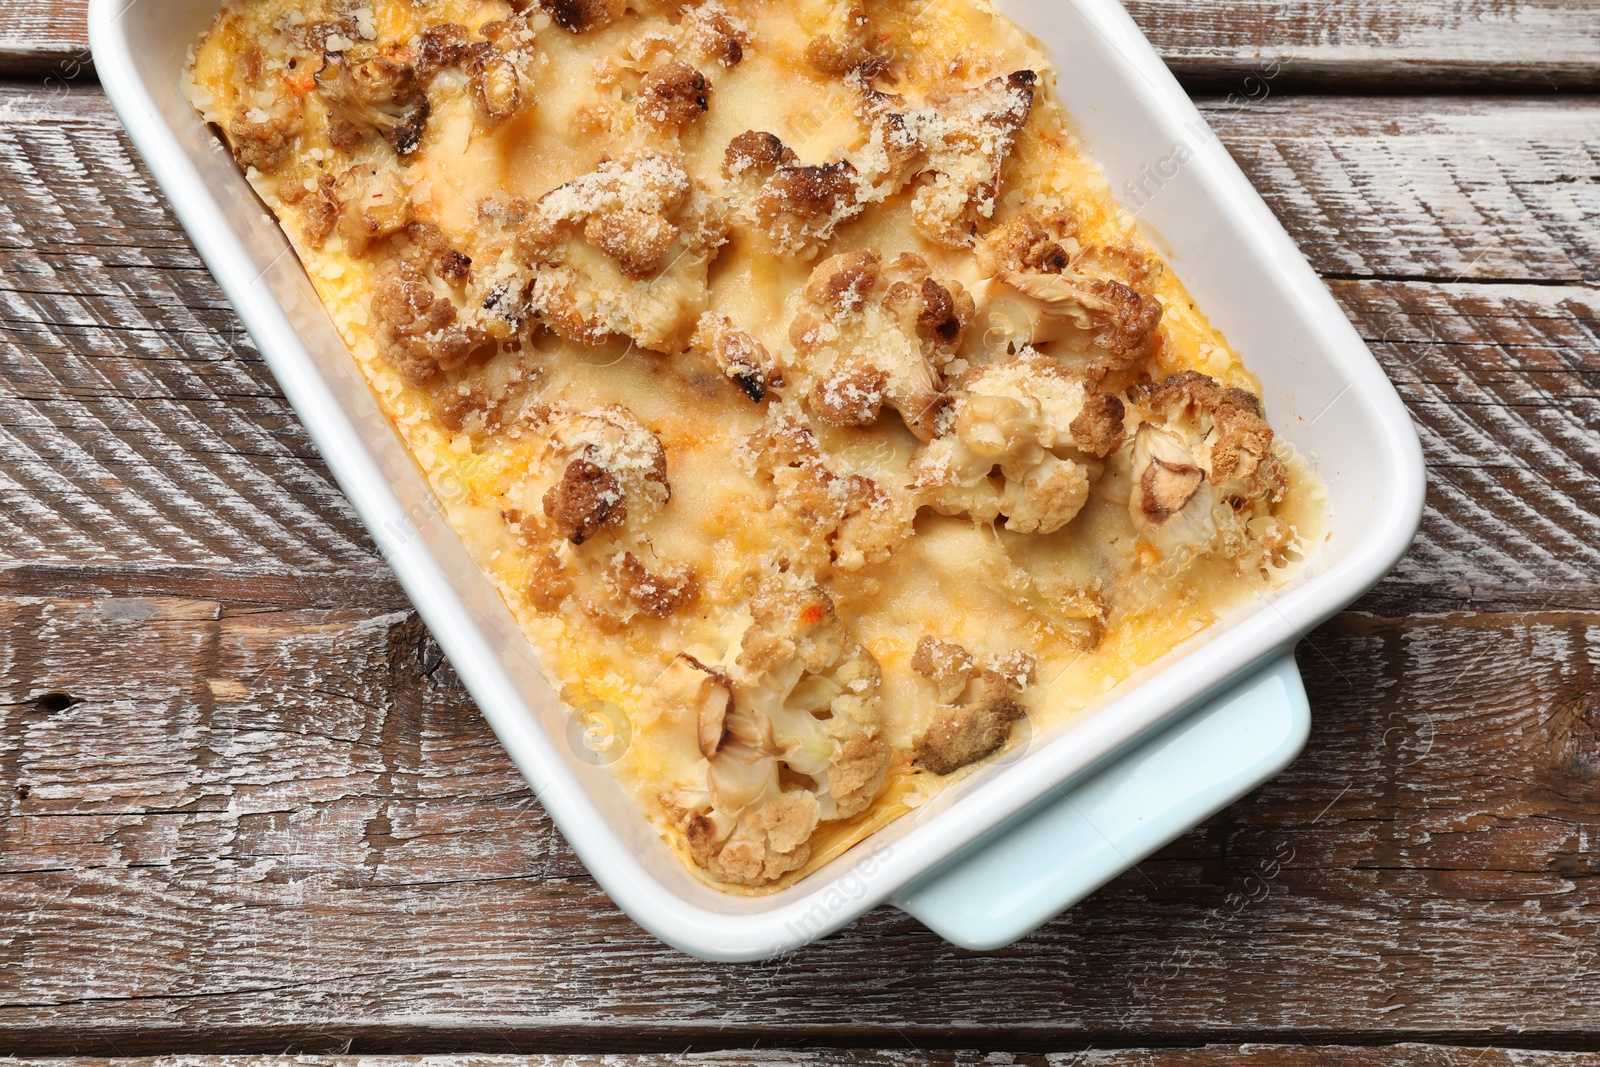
1101 824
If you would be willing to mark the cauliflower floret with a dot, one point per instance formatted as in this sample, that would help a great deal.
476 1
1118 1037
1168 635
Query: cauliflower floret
796 706
737 354
673 95
606 469
624 249
846 44
262 137
978 703
837 519
1093 306
372 203
580 502
956 143
433 309
866 336
498 87
1206 478
380 96
579 16
419 329
796 208
1039 427
715 32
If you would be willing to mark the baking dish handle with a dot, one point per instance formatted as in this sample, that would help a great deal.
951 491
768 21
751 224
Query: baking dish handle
1103 823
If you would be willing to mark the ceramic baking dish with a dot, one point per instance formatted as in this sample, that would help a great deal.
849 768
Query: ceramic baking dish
1322 388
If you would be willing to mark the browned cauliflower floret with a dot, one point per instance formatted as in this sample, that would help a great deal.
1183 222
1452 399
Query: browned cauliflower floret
497 87
372 203
655 594
262 137
673 95
578 16
978 703
602 469
842 520
379 96
954 146
788 724
867 336
581 506
418 330
1205 476
739 355
796 207
848 42
1092 306
715 32
623 249
1034 424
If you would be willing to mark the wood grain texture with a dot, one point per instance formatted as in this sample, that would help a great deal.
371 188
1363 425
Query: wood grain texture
1407 1055
1253 49
1274 46
47 39
1459 235
268 829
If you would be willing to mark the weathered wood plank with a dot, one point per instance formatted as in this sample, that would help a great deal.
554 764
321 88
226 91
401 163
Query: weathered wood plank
272 829
45 39
1253 49
1272 46
1460 236
1410 1055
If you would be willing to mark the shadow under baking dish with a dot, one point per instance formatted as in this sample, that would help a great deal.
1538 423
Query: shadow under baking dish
1323 390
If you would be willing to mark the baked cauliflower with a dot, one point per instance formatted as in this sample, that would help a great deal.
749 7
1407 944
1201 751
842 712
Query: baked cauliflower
796 207
1038 427
833 517
624 249
953 147
789 734
1206 478
1091 306
868 335
979 702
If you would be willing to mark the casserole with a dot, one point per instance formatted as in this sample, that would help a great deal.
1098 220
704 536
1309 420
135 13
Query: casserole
1236 261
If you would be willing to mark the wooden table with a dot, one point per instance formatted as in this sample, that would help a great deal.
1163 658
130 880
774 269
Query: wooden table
248 808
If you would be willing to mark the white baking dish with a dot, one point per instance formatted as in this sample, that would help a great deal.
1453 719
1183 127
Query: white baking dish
1322 389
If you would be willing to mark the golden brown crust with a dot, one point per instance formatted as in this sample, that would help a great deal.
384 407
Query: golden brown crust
947 664
796 207
549 584
580 16
655 594
380 96
978 703
852 395
418 331
1098 429
586 501
674 95
756 150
